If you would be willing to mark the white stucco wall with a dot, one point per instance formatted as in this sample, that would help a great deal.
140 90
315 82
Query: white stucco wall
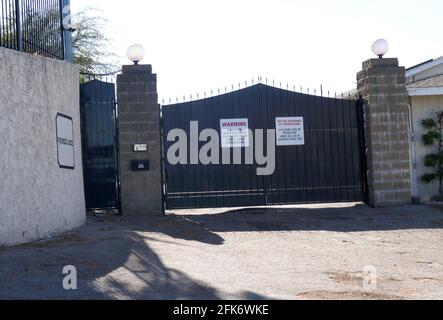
424 107
37 198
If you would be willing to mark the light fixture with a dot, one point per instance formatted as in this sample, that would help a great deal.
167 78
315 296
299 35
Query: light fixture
71 27
380 47
135 53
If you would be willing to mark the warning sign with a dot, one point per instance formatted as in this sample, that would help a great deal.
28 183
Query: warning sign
290 131
234 133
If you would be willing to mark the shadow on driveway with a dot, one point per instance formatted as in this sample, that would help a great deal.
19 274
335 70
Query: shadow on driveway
347 218
115 258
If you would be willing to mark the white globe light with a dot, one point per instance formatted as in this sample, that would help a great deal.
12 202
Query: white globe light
380 47
136 53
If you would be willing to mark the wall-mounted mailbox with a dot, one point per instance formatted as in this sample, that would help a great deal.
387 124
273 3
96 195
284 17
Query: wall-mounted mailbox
140 165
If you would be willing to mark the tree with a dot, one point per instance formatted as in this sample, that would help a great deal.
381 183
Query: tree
91 45
434 138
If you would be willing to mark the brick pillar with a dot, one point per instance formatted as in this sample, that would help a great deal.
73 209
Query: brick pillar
139 124
382 85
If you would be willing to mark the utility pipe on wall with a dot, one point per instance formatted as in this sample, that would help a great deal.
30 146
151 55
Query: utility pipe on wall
413 151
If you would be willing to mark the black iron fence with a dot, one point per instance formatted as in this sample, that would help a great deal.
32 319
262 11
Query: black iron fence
98 110
32 26
326 165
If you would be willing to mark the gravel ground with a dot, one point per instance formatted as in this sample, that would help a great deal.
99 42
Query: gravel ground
298 252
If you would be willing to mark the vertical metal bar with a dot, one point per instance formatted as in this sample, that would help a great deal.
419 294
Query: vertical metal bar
351 151
38 25
162 162
259 198
279 152
286 152
329 158
362 144
2 16
10 26
310 191
231 178
343 105
62 32
317 134
220 168
28 21
33 37
24 25
295 167
247 106
204 197
323 156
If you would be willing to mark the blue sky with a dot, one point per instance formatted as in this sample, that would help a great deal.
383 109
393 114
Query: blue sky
201 45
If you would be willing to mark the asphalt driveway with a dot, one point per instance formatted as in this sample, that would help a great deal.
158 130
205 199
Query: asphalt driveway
307 252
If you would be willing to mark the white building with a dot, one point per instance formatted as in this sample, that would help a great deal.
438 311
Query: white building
425 89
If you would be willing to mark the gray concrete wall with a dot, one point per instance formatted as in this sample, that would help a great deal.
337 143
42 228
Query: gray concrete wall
139 123
382 84
37 198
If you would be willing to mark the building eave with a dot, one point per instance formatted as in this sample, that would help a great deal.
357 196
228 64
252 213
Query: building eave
415 70
414 92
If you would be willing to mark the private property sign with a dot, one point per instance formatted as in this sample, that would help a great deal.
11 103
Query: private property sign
234 133
65 142
290 131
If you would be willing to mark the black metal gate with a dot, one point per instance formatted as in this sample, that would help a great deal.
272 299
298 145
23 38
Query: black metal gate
99 142
327 168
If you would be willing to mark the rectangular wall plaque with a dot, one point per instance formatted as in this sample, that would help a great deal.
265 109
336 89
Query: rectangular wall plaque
140 147
65 142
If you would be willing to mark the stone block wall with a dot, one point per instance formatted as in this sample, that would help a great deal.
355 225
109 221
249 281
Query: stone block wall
139 123
382 84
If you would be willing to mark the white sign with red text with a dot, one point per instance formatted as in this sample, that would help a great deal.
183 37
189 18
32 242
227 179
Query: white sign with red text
290 131
234 133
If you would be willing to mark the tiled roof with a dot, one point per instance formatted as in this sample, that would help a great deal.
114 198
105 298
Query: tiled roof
431 82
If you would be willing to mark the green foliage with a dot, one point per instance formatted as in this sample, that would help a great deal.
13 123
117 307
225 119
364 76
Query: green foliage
429 177
431 137
90 44
431 160
429 123
434 138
